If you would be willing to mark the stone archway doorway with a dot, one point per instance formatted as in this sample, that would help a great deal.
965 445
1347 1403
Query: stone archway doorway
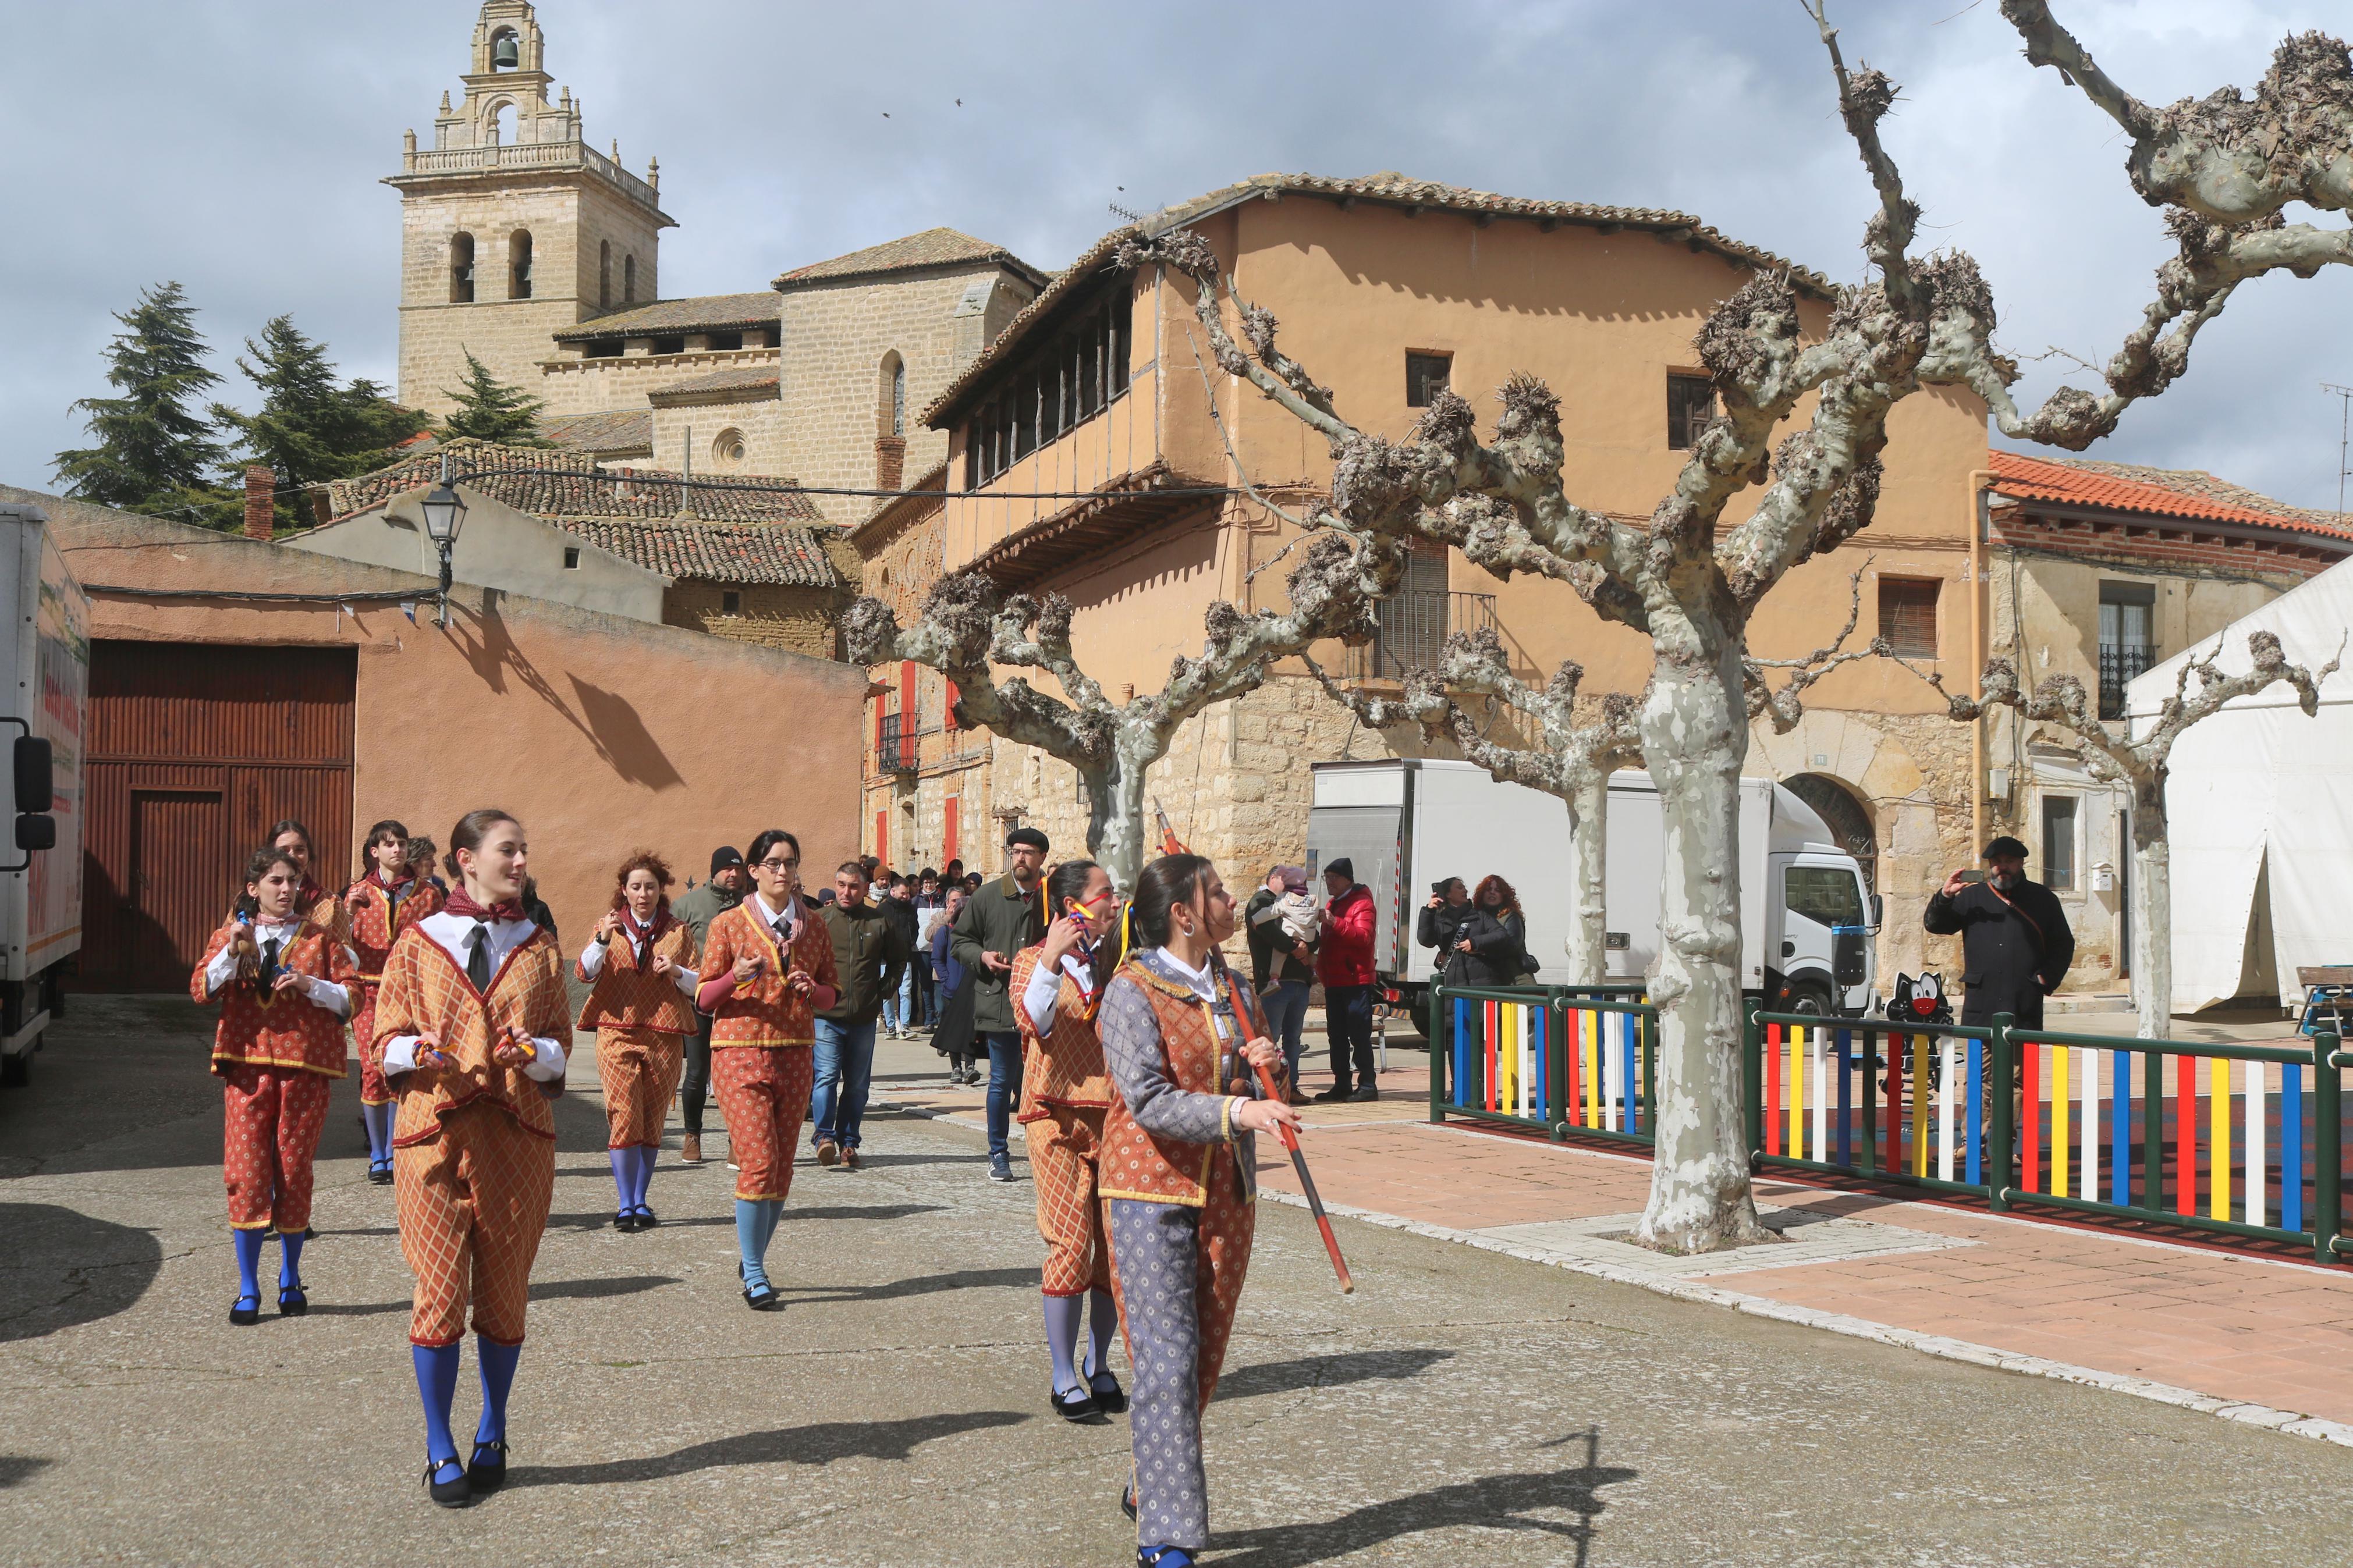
1848 816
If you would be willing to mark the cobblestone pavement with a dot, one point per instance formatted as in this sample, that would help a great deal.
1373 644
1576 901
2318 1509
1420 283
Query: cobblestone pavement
1463 1407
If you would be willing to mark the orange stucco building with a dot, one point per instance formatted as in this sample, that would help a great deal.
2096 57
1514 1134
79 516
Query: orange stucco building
1074 440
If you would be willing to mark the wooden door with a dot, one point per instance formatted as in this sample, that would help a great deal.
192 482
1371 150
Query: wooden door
176 894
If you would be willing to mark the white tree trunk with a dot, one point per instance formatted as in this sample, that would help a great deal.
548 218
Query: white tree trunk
2152 934
1694 734
1589 932
1116 827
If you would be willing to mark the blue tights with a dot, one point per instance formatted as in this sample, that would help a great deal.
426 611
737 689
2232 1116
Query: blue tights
379 1132
756 1226
633 1174
248 1244
437 1386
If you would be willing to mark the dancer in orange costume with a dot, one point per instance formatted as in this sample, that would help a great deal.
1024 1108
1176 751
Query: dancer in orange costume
389 896
284 990
642 1010
768 969
1180 1036
1058 985
475 1030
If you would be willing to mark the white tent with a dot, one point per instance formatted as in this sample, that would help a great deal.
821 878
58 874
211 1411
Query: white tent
2260 805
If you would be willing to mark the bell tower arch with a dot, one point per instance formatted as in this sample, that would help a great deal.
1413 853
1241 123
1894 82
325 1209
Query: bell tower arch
510 221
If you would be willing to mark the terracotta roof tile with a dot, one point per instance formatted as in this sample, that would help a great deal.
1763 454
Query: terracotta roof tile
712 551
702 313
1387 188
557 485
931 247
2190 494
610 430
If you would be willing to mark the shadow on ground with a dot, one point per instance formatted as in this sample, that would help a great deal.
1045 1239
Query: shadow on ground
65 1269
1328 1371
818 1443
1516 1502
920 1285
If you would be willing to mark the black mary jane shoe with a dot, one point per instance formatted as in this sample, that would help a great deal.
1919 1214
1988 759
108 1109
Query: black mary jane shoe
292 1302
243 1316
626 1222
487 1479
1111 1401
1162 1557
762 1298
380 1174
1127 1500
455 1492
1078 1404
645 1218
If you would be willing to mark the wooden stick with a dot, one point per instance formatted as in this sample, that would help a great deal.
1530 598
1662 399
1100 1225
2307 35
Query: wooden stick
1307 1184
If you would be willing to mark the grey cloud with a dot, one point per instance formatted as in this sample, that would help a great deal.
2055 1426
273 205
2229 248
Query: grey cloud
236 148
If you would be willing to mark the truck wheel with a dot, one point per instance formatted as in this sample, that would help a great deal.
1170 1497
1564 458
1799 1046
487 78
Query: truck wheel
1808 996
16 1071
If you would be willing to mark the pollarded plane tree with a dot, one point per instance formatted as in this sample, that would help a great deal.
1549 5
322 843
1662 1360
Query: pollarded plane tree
2065 713
1690 576
973 633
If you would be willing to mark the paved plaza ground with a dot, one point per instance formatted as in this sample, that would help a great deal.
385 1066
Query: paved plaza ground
1467 1405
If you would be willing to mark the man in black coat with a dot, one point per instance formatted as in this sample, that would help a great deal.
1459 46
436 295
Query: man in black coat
2015 945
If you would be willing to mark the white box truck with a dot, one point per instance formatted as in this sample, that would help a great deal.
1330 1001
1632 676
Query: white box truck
45 664
1406 823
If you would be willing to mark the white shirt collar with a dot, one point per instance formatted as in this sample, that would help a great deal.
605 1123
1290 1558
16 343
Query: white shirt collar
454 934
1198 977
790 914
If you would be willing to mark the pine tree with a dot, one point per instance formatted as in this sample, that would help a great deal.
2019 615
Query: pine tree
155 450
311 428
490 410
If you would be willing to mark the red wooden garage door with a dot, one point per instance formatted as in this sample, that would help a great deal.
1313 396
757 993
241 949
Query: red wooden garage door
194 749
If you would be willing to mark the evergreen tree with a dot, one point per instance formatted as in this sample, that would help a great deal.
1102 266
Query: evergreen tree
155 450
490 410
310 426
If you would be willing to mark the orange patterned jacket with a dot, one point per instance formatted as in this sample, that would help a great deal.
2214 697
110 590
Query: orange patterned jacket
425 990
375 922
1065 1067
764 1013
628 997
278 1029
325 913
1136 1163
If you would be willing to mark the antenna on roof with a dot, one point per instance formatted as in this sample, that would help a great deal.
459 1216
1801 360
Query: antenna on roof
2344 439
1119 211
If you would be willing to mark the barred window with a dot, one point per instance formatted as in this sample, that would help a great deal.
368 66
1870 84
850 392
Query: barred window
1907 615
1426 376
1691 404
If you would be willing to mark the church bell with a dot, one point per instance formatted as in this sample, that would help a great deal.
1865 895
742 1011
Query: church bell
504 55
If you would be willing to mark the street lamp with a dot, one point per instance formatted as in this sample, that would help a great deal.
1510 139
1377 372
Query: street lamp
445 514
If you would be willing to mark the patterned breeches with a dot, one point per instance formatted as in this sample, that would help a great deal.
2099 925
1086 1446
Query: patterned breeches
765 1095
1178 1272
640 1068
268 1139
374 1090
472 1201
1065 1145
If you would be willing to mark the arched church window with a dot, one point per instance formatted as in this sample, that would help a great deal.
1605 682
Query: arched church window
728 449
519 264
461 269
604 273
628 280
891 396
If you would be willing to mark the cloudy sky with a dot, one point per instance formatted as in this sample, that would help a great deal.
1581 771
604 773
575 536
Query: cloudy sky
235 145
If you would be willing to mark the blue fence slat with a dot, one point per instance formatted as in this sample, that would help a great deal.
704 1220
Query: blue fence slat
1462 1049
1976 1139
2291 1147
2120 1130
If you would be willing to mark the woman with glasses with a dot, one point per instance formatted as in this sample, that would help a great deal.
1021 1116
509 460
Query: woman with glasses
1059 984
768 971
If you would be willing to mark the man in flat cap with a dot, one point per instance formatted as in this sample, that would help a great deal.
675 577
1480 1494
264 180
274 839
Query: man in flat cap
2016 946
997 922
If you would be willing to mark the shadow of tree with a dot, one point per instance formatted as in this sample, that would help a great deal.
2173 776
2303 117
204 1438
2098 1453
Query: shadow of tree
623 739
1328 1371
64 1268
1489 1502
849 1211
818 1443
920 1285
15 1470
596 1289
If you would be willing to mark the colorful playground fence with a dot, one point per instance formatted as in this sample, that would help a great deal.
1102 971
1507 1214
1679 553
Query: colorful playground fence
2243 1141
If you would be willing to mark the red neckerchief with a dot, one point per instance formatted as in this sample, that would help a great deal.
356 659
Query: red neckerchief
642 938
307 898
1092 994
461 903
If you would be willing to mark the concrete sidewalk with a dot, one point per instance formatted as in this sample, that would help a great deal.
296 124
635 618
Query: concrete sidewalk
2267 1341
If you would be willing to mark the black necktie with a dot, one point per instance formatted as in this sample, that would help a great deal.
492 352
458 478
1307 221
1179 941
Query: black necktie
478 959
269 962
783 936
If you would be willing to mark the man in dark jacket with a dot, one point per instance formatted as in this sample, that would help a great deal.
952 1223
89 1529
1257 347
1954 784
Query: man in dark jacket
1001 920
2016 947
697 908
868 960
1343 962
898 907
1281 967
1439 926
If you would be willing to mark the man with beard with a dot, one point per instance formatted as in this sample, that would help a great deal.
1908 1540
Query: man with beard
2015 945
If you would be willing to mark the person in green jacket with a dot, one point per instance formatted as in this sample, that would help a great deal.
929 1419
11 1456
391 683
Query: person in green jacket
999 921
698 908
869 957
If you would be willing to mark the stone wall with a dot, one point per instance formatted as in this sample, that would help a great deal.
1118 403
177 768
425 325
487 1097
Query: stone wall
759 427
796 619
572 384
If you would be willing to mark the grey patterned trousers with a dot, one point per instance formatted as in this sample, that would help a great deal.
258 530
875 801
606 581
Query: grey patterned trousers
1157 1249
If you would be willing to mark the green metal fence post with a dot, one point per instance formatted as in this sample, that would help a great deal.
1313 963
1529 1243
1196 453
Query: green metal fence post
1556 1065
2000 1158
1441 1049
1752 1076
2327 1157
2152 1118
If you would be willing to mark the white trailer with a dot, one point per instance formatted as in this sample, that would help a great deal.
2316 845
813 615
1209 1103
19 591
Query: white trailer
45 668
1406 823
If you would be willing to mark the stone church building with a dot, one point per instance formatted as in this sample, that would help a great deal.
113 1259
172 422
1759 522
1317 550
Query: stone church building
524 245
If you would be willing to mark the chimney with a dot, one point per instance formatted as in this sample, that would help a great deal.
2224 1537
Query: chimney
890 461
261 502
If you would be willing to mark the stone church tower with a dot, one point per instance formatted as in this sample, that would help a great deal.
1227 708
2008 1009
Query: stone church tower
512 228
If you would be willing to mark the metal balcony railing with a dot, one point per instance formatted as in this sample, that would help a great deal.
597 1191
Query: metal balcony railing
1413 626
894 749
2119 664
